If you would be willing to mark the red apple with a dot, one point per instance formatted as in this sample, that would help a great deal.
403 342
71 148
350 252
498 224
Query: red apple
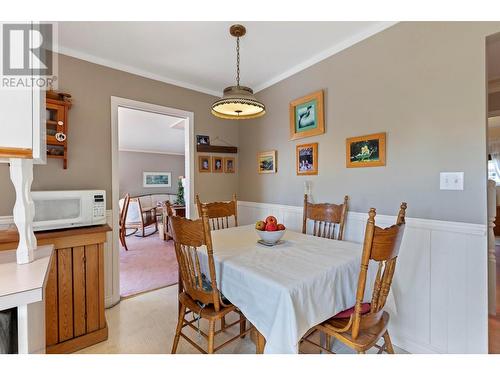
281 227
271 219
271 227
260 225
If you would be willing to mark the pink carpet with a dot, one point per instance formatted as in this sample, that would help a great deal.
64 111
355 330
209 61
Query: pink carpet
148 264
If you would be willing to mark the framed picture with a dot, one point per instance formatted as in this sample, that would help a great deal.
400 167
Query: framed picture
307 116
229 165
204 163
203 140
266 162
156 179
365 151
307 159
217 164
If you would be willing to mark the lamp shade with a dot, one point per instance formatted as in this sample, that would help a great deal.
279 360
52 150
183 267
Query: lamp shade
238 103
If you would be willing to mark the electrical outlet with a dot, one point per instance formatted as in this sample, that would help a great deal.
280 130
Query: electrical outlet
451 181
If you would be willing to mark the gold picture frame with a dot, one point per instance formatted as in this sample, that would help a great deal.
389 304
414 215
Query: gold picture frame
204 164
266 162
217 164
229 165
307 116
307 159
366 151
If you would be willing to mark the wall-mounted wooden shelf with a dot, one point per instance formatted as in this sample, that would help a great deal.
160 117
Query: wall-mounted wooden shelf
217 149
57 122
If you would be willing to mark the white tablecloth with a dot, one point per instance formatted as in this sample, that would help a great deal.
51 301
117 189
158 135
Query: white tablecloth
286 289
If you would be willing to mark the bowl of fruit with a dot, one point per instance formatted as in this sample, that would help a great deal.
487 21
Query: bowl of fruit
269 230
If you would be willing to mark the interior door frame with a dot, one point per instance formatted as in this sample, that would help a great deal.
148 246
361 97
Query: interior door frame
117 102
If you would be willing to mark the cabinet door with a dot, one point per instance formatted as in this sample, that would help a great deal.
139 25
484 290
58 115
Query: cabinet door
16 125
22 120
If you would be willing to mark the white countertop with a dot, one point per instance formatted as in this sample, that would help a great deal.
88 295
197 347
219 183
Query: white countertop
22 284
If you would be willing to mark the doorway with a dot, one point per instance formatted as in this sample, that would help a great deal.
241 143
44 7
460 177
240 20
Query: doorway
149 142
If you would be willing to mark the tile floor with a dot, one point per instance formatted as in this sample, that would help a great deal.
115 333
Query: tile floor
146 324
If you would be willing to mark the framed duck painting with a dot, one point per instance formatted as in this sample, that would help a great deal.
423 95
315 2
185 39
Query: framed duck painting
307 116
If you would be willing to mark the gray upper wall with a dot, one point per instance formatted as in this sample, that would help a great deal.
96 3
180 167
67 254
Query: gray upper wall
421 83
133 164
89 133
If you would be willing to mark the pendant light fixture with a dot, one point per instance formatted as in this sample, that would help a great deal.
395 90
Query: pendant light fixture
238 102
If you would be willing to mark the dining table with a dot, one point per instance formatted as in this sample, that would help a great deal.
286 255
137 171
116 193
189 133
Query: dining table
286 289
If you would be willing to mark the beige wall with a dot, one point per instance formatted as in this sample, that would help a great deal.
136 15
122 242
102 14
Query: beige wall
423 84
89 138
133 164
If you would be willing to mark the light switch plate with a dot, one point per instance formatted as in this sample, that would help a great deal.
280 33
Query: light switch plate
451 181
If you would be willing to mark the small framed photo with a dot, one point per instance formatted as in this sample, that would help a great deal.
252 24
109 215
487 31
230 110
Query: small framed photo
307 116
203 140
217 164
156 179
204 163
307 159
365 151
266 162
229 165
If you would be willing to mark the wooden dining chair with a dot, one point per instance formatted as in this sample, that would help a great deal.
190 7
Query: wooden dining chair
361 326
329 218
200 292
219 213
122 220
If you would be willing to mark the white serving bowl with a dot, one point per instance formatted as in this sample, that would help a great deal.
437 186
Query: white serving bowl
270 237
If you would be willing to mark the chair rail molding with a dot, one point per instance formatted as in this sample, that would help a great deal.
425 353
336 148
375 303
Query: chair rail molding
439 300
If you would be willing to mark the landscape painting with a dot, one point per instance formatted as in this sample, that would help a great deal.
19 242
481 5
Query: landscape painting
266 162
366 151
156 179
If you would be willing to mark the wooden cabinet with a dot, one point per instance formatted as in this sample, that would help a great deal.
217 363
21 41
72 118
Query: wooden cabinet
22 123
57 128
74 299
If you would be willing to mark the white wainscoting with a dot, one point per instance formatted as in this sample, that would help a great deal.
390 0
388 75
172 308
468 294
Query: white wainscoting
439 301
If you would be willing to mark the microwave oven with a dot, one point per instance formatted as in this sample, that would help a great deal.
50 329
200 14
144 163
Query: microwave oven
68 209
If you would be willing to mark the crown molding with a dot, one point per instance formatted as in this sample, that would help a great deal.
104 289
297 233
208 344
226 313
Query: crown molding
336 48
346 43
139 72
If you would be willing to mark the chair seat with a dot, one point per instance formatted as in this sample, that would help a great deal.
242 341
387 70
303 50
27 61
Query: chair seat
367 337
365 307
207 312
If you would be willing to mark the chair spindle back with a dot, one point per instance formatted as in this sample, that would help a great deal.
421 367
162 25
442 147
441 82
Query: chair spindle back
189 236
380 245
327 217
219 212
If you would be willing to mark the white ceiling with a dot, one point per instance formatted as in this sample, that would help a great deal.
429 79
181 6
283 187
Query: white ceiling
142 131
201 55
